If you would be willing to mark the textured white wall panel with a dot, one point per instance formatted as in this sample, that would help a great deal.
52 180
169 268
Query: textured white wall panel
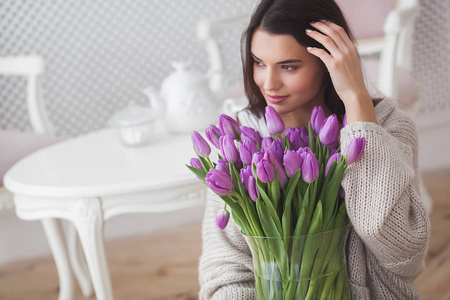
99 54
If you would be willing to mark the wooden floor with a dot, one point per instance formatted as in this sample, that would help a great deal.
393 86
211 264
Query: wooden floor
164 265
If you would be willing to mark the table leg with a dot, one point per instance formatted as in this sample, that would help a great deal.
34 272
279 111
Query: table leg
52 229
89 224
77 260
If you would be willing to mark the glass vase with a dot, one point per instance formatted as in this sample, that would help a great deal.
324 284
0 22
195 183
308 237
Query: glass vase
301 267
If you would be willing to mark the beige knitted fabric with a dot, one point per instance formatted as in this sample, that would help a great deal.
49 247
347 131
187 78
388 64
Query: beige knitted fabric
391 228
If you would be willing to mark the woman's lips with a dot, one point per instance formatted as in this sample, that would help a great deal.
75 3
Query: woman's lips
275 99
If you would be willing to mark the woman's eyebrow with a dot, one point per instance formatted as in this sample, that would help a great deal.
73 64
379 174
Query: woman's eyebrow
289 61
254 56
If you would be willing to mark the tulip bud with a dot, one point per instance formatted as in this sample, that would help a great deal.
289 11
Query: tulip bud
335 157
228 149
266 143
245 173
222 166
265 171
246 150
213 134
282 177
310 168
293 134
252 188
257 157
222 218
278 149
275 124
292 162
303 151
304 137
201 146
251 134
329 130
195 162
317 118
228 125
219 182
354 150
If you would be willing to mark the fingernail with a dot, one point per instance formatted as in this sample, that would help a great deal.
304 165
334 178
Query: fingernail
323 21
312 22
308 30
308 48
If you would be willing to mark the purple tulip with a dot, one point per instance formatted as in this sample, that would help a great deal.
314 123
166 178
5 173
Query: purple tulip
228 149
251 134
317 118
246 150
304 137
278 149
252 188
219 182
292 162
201 146
195 162
354 150
245 173
344 122
228 125
222 166
265 171
275 124
335 157
293 134
303 151
266 143
257 157
282 177
222 218
329 130
213 134
310 168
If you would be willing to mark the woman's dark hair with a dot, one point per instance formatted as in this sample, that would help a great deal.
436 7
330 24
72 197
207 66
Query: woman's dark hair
289 17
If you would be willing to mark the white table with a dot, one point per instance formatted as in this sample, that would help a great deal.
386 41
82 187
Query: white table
92 178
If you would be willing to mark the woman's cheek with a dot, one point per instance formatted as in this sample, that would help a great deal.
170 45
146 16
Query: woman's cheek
258 76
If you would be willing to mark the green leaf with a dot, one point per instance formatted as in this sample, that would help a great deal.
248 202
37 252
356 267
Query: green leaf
197 171
269 205
275 242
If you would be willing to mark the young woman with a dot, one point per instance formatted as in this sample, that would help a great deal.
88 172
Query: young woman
298 54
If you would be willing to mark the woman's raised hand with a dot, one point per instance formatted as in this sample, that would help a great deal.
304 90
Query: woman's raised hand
344 68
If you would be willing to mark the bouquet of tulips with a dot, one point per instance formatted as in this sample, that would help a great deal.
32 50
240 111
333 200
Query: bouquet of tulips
285 194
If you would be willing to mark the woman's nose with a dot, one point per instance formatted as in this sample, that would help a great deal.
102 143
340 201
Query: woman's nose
271 81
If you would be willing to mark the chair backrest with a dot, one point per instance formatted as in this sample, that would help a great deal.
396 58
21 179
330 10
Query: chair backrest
31 67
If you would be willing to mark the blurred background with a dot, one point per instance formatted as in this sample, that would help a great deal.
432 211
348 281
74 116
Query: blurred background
99 55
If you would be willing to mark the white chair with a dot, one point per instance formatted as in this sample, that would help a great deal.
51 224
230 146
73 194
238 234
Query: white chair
384 41
385 46
15 145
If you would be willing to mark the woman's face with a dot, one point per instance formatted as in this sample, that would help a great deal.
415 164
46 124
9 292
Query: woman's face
289 78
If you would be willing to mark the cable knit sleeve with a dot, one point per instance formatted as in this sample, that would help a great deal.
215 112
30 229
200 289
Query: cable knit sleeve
226 268
382 194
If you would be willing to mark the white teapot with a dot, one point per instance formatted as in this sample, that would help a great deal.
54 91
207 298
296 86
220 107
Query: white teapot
186 100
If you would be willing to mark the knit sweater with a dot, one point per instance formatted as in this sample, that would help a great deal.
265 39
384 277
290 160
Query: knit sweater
389 238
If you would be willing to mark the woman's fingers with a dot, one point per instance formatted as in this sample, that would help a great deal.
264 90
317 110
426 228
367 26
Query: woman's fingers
326 41
336 32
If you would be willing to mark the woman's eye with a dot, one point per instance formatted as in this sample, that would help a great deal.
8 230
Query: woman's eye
288 67
258 63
